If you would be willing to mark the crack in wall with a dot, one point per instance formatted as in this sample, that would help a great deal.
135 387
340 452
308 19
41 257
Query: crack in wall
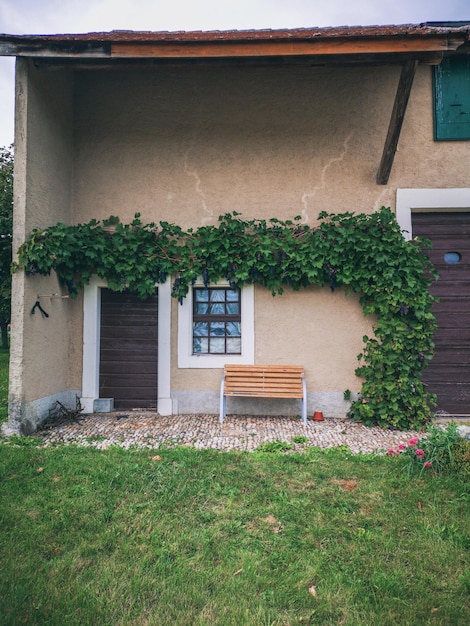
192 172
385 198
308 195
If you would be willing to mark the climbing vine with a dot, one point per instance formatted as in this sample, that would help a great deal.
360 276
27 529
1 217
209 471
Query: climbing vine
365 254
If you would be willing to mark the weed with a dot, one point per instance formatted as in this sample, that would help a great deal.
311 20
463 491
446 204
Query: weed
299 439
95 438
23 442
274 446
460 450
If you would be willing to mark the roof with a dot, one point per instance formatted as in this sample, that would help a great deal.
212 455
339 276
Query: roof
427 29
418 39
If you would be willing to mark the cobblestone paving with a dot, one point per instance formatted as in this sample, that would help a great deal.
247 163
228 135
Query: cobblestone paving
150 430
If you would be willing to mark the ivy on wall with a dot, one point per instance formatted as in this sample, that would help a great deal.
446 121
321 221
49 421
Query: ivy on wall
365 254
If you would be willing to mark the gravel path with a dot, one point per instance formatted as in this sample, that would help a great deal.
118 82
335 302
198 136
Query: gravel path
150 430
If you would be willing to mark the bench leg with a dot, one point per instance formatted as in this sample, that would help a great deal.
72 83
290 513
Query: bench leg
223 403
304 403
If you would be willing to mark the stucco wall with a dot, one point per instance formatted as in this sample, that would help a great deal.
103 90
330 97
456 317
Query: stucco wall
190 143
187 145
41 348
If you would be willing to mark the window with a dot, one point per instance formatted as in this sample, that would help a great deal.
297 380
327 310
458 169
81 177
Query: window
216 326
216 320
451 83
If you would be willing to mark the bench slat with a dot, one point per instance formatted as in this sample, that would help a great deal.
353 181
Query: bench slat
263 381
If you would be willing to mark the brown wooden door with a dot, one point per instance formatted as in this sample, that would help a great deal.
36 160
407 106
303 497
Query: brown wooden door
128 350
448 374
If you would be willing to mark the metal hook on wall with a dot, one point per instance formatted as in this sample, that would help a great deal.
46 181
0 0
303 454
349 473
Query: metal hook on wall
37 305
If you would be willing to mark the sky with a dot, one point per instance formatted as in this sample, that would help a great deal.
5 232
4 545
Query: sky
20 17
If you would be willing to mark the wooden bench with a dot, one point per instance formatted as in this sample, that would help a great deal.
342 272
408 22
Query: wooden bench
263 381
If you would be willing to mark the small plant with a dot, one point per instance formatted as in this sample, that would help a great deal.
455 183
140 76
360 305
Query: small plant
460 450
433 452
338 450
274 446
22 441
438 445
299 439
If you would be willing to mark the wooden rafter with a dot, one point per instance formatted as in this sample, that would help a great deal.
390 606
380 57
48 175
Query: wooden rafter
396 121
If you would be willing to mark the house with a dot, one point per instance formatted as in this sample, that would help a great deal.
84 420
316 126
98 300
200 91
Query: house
183 127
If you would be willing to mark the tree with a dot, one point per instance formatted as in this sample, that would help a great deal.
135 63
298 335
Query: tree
6 229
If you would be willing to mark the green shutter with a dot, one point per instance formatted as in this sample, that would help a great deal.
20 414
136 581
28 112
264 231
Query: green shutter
452 98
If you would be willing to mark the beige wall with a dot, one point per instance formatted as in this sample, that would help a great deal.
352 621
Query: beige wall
188 144
41 347
314 327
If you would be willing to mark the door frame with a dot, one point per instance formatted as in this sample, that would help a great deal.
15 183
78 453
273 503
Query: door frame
411 201
91 346
428 200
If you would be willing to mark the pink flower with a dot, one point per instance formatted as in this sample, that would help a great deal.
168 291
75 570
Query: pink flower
402 446
413 441
391 452
427 464
419 452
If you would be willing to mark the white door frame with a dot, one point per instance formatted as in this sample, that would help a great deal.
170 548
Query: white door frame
428 200
91 346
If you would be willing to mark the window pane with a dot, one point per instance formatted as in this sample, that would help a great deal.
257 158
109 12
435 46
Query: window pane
217 329
234 346
233 329
201 329
200 346
217 295
217 346
217 309
233 308
233 295
202 295
202 308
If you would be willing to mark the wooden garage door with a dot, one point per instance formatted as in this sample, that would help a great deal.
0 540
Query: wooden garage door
448 374
128 350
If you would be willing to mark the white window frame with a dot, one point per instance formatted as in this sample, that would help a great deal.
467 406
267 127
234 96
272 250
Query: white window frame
428 200
186 358
91 345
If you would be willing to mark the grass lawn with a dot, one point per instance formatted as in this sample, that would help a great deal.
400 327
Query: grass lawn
186 537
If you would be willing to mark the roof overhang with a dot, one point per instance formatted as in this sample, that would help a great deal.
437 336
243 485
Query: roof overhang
346 41
406 45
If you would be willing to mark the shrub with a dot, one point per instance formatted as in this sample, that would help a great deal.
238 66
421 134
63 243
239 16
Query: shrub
433 452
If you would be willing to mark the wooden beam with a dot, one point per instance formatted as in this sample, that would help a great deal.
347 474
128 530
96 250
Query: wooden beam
319 46
396 121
